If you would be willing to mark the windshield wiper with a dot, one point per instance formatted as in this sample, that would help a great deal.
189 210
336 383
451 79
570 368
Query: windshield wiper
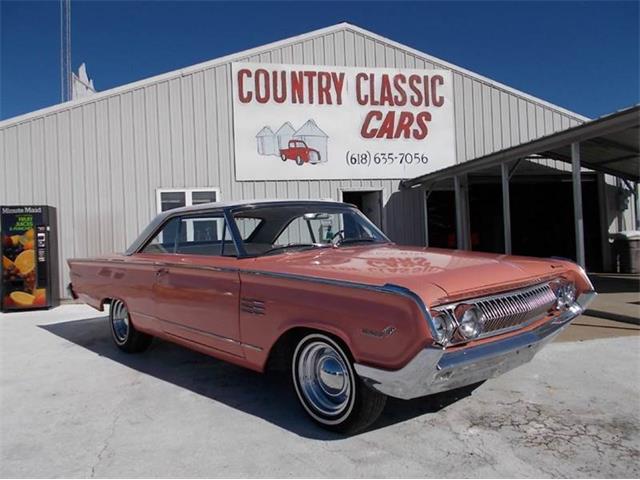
357 240
293 245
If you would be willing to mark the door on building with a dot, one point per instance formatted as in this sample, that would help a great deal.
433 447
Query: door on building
368 202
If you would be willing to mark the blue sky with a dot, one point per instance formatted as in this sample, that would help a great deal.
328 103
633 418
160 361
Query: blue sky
580 55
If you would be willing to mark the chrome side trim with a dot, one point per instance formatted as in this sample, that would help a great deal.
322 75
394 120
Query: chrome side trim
252 306
435 370
206 334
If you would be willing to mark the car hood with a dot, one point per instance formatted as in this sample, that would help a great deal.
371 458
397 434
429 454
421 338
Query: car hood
435 274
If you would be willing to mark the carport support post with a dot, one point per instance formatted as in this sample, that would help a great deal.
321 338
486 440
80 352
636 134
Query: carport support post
425 206
506 207
577 203
463 227
637 205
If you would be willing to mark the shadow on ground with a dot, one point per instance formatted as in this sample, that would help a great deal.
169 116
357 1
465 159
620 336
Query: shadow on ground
268 396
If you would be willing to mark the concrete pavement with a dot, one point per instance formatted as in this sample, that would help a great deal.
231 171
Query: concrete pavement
72 405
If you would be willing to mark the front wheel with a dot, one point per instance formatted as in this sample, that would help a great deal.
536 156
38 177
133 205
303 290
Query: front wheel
124 334
329 390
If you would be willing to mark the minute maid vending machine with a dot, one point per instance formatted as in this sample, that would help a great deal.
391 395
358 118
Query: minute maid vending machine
29 258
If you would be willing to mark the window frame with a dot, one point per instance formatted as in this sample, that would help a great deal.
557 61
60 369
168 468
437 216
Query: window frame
242 253
227 227
188 195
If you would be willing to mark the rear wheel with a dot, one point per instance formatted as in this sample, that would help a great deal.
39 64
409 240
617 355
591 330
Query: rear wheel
314 157
329 390
283 157
124 334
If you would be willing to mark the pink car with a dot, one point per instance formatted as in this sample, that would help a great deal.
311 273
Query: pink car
316 289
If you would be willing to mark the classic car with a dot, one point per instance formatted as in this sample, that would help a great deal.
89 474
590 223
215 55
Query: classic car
299 151
315 288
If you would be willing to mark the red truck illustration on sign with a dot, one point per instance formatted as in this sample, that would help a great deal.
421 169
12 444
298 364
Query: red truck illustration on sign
307 144
299 151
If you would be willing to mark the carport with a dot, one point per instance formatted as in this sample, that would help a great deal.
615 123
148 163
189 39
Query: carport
609 145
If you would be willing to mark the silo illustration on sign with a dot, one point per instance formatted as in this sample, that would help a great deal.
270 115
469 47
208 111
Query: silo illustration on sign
308 144
283 135
267 142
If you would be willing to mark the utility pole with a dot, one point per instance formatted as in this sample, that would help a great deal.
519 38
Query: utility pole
65 50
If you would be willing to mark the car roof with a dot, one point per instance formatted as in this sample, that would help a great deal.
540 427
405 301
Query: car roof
160 218
249 203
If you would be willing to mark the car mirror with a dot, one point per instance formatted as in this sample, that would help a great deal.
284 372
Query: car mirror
317 216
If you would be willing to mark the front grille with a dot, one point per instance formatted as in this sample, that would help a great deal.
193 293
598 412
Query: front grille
512 310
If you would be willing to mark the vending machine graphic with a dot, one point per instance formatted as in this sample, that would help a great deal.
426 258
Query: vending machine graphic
29 258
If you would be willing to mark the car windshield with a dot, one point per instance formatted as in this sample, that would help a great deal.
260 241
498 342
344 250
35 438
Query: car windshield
271 230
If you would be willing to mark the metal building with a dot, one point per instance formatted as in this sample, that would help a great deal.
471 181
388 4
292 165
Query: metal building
111 161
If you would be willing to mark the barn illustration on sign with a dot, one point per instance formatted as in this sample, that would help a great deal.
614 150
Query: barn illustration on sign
308 144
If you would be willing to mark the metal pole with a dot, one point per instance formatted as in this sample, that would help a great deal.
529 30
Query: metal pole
425 206
577 203
462 213
458 193
636 206
506 207
603 213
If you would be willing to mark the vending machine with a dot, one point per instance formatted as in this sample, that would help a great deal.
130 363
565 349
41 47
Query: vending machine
29 258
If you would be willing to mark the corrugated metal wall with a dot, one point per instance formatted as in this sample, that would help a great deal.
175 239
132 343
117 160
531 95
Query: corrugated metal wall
101 162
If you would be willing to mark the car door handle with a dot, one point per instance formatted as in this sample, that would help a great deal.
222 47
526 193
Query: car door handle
162 271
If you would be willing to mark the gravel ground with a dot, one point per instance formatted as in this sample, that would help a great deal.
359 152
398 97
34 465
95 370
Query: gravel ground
72 405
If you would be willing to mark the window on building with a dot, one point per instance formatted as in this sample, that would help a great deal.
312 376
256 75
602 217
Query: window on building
168 199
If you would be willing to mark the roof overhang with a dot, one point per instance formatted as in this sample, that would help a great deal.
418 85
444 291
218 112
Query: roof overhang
610 144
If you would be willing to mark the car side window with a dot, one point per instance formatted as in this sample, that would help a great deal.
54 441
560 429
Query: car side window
165 239
247 226
204 234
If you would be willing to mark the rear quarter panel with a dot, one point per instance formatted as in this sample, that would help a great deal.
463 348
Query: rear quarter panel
97 280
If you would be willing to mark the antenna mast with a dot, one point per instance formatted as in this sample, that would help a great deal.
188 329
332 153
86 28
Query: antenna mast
65 50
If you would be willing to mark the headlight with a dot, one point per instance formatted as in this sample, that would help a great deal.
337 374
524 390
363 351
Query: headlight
565 293
470 321
443 327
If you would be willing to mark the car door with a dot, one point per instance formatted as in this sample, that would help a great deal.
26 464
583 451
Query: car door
197 288
139 272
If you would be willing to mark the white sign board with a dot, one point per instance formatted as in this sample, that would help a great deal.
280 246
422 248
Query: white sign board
294 122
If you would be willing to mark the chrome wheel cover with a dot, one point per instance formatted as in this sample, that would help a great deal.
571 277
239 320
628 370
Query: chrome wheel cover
324 379
119 316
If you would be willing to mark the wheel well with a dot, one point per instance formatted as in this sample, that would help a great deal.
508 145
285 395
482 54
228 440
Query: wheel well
281 352
105 301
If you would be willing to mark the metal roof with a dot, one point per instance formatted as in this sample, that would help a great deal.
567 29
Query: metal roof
609 144
245 54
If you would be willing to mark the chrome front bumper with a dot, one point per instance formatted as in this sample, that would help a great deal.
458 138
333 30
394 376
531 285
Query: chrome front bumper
435 370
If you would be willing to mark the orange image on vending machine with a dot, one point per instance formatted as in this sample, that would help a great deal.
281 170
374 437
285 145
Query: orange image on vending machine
29 258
